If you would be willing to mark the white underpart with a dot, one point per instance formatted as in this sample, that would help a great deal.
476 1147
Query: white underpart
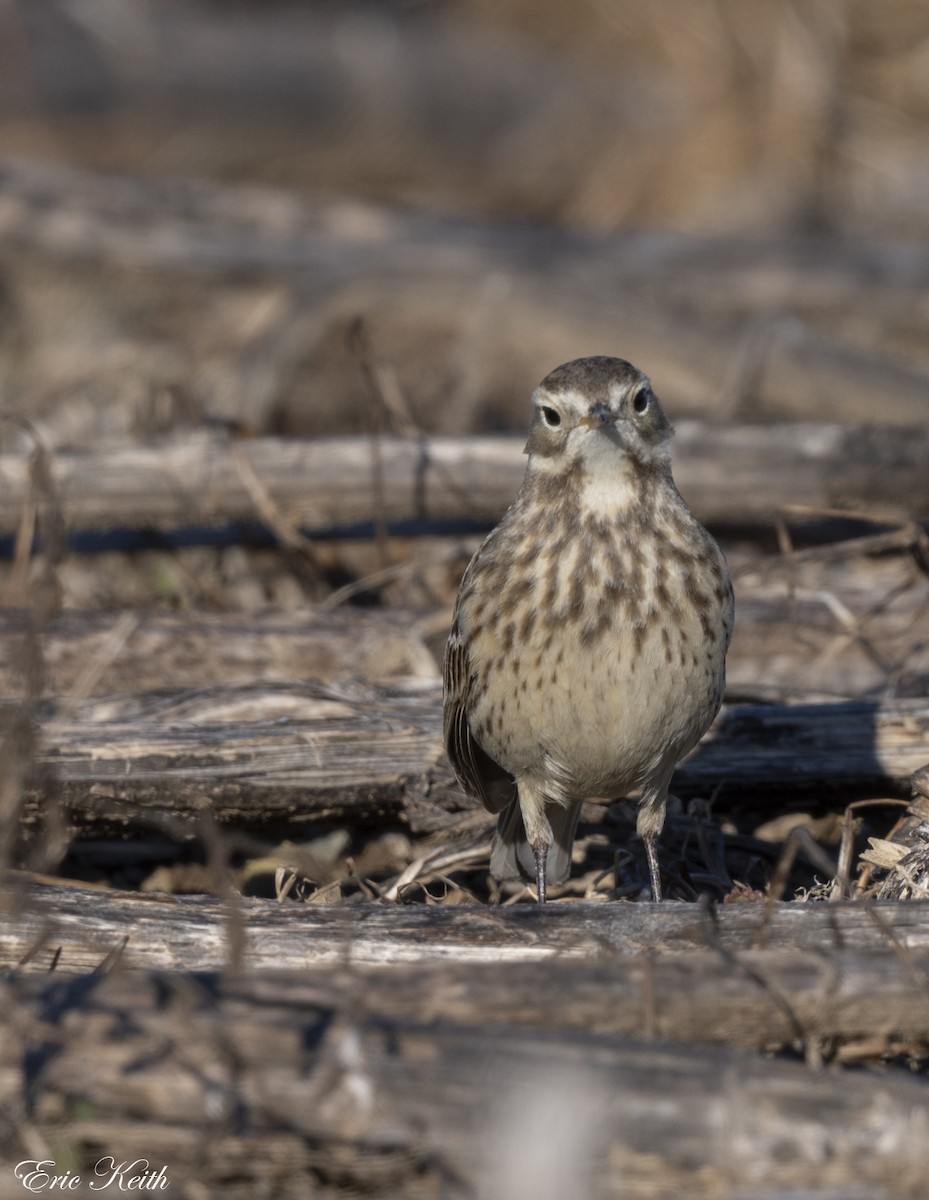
609 480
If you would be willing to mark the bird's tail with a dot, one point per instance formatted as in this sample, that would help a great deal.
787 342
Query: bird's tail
512 857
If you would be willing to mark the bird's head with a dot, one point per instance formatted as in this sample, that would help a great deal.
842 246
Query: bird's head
599 415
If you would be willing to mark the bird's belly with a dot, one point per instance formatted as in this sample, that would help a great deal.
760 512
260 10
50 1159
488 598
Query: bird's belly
608 716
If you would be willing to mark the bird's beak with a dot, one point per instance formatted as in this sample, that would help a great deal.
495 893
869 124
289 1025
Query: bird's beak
599 416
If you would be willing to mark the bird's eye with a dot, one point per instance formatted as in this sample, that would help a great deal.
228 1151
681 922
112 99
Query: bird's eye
551 416
640 402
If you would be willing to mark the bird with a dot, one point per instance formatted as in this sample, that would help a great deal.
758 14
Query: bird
588 646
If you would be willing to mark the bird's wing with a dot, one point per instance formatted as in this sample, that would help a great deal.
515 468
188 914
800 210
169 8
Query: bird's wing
477 772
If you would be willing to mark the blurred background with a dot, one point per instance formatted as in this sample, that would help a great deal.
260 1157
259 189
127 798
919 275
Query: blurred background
759 116
732 193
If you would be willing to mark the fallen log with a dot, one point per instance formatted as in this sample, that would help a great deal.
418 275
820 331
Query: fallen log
80 927
255 756
848 621
732 475
288 756
142 651
765 999
126 1063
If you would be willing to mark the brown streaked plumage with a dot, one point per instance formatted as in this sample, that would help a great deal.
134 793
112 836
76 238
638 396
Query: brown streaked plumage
587 654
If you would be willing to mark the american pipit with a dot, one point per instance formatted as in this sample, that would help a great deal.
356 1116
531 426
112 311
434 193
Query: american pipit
587 654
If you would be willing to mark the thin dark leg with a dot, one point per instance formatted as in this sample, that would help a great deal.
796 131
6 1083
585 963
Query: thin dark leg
651 850
541 854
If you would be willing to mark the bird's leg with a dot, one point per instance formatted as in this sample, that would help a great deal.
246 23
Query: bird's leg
538 830
540 851
649 824
651 851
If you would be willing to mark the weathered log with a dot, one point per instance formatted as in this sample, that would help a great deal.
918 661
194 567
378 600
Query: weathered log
275 756
808 629
864 746
758 999
82 926
435 1109
149 651
740 475
289 756
613 979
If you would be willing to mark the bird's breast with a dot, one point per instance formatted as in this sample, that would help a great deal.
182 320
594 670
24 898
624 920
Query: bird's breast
608 657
